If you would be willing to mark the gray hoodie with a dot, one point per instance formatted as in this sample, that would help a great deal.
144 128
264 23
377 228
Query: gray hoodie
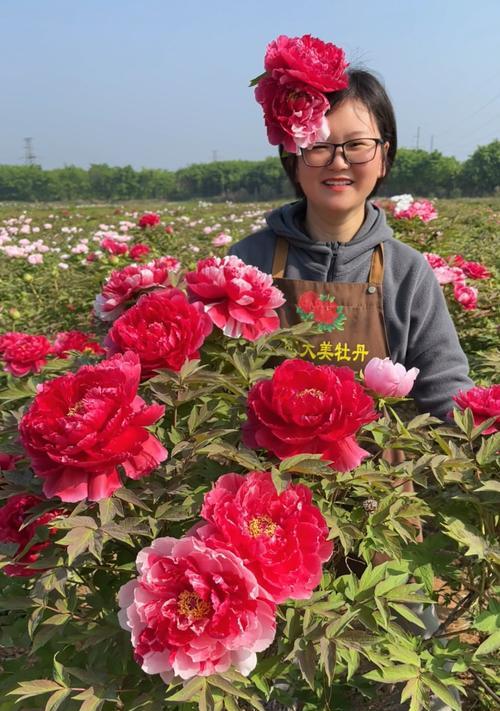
419 328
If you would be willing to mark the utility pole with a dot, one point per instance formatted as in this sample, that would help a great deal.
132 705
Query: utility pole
432 144
418 137
29 155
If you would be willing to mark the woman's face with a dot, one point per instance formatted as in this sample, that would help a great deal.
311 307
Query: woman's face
348 120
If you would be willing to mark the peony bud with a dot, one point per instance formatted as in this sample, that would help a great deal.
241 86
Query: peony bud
389 379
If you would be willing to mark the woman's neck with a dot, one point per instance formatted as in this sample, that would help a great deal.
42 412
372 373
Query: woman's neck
332 228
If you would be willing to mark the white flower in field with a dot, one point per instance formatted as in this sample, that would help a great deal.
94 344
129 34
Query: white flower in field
35 258
47 226
207 230
194 248
35 230
62 265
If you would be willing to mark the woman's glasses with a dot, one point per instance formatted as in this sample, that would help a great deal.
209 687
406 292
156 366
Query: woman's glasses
359 150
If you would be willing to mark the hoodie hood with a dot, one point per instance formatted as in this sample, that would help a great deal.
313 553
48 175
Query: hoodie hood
287 221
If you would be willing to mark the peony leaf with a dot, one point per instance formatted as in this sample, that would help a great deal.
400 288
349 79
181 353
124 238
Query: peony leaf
307 662
441 691
394 674
188 692
467 536
489 645
306 464
35 687
77 542
56 699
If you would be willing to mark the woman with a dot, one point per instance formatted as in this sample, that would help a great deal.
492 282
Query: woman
332 252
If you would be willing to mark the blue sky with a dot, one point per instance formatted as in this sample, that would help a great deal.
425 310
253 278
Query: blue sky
164 84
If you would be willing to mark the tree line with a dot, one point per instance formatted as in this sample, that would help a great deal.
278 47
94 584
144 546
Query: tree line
419 172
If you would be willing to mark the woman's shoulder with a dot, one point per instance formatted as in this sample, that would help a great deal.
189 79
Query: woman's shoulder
256 249
405 259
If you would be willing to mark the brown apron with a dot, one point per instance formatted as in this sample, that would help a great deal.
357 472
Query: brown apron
351 318
349 315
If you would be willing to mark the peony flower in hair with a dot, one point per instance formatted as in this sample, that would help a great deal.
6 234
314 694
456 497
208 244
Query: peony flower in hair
282 538
82 426
163 328
308 60
24 353
299 71
123 286
484 403
13 514
75 341
239 298
195 611
309 409
294 115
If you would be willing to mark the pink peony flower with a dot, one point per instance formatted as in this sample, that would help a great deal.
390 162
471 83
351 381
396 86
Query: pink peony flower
221 240
435 260
24 353
294 115
465 295
422 209
240 299
138 250
195 611
163 328
484 403
149 219
309 409
389 379
13 514
449 275
124 285
81 426
476 270
308 60
282 538
75 341
113 247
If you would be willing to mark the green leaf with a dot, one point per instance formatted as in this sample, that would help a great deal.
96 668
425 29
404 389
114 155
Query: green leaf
489 645
407 614
394 674
230 688
467 536
308 464
77 542
307 662
188 692
441 691
56 699
131 498
328 657
35 687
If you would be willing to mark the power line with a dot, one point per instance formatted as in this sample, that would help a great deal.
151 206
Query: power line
29 155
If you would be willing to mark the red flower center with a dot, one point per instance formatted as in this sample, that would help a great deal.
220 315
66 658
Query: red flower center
192 606
261 526
314 392
76 409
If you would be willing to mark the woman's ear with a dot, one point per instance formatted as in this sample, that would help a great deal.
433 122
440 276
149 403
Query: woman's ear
383 166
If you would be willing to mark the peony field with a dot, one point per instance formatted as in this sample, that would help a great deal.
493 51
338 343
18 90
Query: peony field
194 515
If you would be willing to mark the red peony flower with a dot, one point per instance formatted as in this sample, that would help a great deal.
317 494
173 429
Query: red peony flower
24 353
294 115
8 339
12 516
325 311
163 328
307 301
124 285
306 408
282 538
457 260
8 461
476 270
149 219
113 247
435 260
195 611
465 295
75 341
308 60
484 403
169 230
138 250
81 426
240 299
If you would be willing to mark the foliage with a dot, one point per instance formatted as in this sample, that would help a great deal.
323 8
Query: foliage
361 631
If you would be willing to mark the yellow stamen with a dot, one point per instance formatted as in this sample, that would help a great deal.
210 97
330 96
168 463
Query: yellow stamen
310 391
192 606
262 526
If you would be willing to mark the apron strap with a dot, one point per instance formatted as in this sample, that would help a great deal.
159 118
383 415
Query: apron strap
279 259
377 268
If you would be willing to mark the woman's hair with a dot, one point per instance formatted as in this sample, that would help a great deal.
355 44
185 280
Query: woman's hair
367 89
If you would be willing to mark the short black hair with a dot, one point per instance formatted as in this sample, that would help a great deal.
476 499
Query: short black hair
368 90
